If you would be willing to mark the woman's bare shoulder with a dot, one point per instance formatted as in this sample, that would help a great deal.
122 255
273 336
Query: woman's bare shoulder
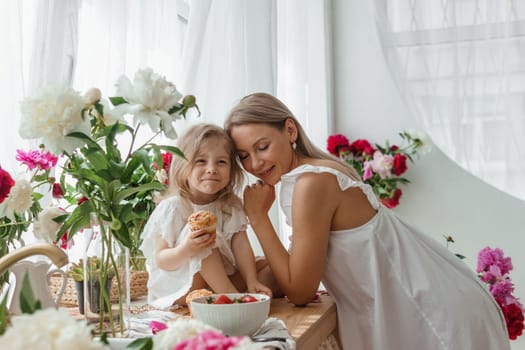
331 164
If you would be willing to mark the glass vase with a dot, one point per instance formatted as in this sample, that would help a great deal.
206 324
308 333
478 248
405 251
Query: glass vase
106 281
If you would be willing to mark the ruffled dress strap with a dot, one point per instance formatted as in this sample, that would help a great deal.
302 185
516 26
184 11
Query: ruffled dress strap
344 181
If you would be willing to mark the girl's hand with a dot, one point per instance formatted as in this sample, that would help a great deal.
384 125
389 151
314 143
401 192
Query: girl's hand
258 199
199 240
258 287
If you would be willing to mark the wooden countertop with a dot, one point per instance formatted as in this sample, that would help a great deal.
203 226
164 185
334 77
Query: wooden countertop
310 325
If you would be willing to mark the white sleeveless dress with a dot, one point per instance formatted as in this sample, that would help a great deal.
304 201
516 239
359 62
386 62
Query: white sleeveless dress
169 221
398 289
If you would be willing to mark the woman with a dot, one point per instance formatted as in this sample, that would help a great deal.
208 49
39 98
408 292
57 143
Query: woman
395 288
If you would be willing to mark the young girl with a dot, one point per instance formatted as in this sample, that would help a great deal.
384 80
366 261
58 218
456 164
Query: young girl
180 260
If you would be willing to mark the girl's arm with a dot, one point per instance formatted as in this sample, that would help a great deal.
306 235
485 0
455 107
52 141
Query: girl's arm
315 199
245 261
172 258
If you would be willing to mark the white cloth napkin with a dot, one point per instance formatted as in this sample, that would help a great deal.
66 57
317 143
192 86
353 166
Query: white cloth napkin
139 323
274 328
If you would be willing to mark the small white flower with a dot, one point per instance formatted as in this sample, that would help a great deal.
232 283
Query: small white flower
382 164
421 138
92 95
50 115
45 227
53 329
20 198
150 97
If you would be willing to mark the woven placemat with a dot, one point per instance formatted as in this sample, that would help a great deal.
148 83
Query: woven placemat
138 288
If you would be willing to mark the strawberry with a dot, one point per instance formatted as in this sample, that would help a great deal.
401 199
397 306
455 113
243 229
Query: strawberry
223 299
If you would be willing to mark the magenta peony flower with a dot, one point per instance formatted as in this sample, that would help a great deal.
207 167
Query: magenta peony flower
488 257
209 340
37 159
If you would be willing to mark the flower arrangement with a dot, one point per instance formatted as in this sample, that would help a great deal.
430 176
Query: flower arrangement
188 334
493 268
106 174
20 197
381 166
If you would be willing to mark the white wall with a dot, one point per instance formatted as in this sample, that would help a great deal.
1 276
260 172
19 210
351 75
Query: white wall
442 199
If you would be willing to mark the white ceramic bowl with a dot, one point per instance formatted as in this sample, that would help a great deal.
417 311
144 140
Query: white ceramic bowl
232 319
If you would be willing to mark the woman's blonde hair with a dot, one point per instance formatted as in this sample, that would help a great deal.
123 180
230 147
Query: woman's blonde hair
263 108
190 143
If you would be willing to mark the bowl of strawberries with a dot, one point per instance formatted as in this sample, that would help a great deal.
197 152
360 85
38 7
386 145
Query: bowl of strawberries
232 313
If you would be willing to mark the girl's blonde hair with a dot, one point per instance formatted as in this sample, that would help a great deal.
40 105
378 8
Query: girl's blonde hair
263 108
190 143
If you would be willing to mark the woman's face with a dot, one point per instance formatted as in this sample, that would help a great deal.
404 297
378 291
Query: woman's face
264 151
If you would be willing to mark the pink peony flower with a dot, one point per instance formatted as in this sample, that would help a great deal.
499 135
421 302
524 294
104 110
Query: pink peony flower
382 164
37 159
209 340
488 257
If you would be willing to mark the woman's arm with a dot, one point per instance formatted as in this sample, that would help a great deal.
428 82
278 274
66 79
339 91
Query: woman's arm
172 258
314 203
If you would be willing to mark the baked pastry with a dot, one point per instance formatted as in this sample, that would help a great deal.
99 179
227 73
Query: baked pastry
197 293
203 219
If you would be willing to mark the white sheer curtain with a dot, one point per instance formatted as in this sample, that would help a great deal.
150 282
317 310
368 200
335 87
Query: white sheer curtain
40 41
460 66
229 52
304 69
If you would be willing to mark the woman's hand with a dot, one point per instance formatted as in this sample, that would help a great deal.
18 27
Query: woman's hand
258 199
199 240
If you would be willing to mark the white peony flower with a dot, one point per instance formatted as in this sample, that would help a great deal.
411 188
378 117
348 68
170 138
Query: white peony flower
45 227
53 329
19 200
150 97
50 115
421 138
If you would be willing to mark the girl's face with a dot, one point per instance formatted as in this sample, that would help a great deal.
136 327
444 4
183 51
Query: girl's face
211 171
264 151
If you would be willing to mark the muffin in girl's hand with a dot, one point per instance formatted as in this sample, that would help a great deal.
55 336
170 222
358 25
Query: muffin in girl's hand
203 219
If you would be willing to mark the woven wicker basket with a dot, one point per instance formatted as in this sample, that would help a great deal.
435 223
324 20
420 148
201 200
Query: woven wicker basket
138 288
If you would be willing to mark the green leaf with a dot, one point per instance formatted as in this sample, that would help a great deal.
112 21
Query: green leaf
460 256
90 142
141 344
4 315
77 220
172 149
28 303
117 100
144 187
97 160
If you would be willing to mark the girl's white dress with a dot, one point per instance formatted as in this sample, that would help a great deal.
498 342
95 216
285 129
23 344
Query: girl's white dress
169 221
398 289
